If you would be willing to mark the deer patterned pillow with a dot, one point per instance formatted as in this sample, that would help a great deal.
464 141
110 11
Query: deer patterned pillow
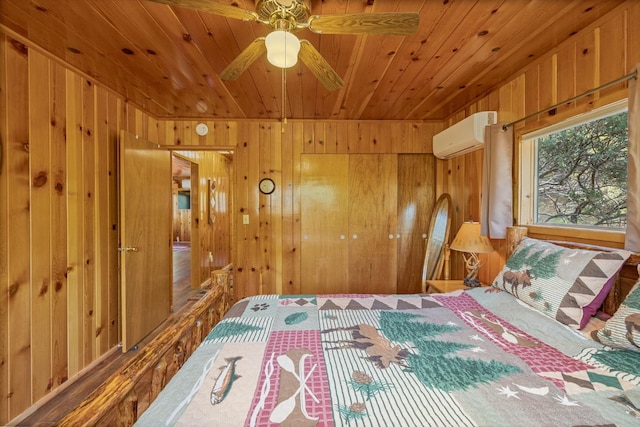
568 285
623 329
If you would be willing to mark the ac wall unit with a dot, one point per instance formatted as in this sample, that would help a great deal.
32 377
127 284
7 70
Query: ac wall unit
465 136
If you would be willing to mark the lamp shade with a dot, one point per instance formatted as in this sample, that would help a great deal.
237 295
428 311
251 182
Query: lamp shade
469 240
282 48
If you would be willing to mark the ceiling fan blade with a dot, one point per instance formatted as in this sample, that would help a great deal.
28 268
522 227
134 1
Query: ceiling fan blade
386 23
319 66
213 7
244 60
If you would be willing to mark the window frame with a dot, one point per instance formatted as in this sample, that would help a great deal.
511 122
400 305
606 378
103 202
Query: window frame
527 181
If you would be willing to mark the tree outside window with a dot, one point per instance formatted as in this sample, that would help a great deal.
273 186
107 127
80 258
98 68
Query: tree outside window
582 174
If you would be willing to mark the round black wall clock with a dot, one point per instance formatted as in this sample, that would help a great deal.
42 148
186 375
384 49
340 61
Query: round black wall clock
267 186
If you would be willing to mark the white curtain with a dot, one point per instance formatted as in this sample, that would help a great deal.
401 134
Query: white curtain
632 237
497 182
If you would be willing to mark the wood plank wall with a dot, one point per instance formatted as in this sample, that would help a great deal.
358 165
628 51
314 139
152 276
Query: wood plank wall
602 53
58 268
181 222
58 258
59 303
268 248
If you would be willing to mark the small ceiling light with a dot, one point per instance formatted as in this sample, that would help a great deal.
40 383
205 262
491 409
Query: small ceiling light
202 129
282 48
201 106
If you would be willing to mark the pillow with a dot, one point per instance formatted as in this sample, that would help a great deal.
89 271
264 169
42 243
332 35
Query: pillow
623 329
592 308
568 285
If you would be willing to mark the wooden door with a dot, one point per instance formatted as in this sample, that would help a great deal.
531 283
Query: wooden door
196 217
324 223
416 199
145 237
349 223
373 233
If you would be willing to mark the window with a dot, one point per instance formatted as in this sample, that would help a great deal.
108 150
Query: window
575 173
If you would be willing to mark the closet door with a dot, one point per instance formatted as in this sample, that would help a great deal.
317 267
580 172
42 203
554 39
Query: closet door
324 223
373 230
349 223
416 199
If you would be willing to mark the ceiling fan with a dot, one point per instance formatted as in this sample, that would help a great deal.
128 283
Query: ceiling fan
285 17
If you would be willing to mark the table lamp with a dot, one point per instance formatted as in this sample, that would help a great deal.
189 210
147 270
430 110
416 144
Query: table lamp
471 243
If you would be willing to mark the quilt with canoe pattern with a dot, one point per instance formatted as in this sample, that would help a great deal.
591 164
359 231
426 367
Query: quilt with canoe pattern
472 358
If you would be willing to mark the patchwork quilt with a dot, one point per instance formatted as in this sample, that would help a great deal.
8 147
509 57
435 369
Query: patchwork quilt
473 358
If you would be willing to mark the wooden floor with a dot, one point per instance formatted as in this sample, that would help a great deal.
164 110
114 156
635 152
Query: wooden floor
66 400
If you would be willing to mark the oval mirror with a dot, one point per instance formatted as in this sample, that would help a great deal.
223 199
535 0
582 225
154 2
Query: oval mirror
437 239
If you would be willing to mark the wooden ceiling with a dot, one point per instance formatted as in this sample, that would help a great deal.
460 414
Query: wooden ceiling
167 59
180 167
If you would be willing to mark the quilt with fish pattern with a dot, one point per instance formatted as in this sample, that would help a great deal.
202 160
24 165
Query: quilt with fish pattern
472 358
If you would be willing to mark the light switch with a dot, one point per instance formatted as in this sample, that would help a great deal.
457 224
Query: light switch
245 219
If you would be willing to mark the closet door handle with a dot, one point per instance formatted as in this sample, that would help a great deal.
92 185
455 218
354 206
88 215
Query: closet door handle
128 249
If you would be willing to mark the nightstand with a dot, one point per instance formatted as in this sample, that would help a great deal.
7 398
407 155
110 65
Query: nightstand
442 286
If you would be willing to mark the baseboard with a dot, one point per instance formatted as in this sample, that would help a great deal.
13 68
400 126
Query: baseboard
62 387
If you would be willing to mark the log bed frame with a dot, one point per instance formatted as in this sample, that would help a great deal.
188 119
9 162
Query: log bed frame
123 397
126 394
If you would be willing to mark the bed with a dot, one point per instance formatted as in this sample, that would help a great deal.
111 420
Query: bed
534 348
485 356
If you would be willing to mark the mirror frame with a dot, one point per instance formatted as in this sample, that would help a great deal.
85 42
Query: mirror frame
437 239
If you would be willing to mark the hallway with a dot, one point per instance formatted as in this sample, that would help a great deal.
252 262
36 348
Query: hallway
182 292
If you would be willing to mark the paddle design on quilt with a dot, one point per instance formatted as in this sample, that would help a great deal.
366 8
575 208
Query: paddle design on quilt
497 327
293 382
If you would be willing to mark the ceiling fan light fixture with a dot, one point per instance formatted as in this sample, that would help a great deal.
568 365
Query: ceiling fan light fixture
282 48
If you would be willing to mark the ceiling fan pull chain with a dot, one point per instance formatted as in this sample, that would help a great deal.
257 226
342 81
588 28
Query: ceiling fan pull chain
284 99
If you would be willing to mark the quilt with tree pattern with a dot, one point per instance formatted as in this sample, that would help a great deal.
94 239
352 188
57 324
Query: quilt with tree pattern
472 358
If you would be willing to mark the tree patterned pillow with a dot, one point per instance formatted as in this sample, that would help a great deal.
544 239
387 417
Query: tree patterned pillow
565 284
623 329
